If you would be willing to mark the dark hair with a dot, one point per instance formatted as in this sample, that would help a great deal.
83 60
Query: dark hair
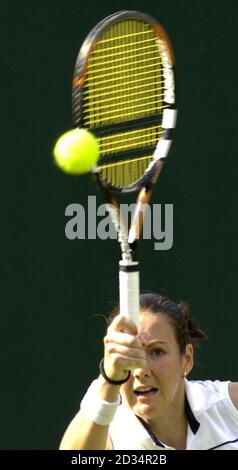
186 330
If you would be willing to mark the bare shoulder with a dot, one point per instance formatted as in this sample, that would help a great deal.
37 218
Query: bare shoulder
233 392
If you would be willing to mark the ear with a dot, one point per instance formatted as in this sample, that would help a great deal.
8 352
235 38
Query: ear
188 359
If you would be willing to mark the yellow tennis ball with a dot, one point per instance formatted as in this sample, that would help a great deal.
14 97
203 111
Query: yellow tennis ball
76 151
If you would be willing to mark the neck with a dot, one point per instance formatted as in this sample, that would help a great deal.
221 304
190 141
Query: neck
174 435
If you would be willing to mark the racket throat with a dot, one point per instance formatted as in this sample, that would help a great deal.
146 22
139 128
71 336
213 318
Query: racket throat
128 250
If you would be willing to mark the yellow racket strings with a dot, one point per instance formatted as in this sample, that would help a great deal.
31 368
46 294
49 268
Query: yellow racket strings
124 82
124 77
126 171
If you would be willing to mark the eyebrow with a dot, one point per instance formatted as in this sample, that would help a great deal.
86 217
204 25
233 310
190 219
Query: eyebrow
153 342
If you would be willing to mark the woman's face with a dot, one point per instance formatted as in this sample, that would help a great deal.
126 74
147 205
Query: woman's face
159 388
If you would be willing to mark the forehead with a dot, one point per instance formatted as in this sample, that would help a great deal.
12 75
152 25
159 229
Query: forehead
155 326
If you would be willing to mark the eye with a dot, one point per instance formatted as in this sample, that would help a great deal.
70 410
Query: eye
156 352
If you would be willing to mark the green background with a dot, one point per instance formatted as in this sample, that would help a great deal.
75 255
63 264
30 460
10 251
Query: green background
54 292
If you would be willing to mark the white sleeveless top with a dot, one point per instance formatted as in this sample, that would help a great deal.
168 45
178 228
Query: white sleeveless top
212 421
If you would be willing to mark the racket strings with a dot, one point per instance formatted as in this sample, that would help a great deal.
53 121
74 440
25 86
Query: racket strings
108 89
132 111
97 85
124 173
96 102
117 62
126 141
127 53
113 38
119 170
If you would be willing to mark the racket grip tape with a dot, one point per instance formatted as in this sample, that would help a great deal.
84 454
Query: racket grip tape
129 290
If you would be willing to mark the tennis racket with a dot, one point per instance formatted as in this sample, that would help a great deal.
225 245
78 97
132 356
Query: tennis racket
124 93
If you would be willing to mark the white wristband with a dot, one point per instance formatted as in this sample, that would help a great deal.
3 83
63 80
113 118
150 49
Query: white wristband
95 409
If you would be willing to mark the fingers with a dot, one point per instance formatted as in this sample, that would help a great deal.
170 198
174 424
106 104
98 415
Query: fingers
119 363
118 349
122 338
122 323
123 348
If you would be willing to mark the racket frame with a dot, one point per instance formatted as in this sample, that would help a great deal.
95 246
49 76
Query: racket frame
128 265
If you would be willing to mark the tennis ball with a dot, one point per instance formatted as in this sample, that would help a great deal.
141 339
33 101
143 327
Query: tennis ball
76 151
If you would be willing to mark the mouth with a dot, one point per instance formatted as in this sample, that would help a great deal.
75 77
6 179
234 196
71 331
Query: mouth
145 391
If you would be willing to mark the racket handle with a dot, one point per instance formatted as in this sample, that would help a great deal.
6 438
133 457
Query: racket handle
129 290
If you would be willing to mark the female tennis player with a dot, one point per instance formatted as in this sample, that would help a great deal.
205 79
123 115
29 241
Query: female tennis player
143 399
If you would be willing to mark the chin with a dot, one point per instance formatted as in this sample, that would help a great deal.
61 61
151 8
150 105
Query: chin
145 411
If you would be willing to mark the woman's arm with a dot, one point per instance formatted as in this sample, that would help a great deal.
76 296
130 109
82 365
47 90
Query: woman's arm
84 434
122 352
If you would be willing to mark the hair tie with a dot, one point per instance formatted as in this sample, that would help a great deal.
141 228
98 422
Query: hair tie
110 381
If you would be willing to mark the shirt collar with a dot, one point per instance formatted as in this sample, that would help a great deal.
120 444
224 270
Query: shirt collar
192 421
199 396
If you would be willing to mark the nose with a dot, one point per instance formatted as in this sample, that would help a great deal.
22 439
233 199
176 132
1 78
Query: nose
141 373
